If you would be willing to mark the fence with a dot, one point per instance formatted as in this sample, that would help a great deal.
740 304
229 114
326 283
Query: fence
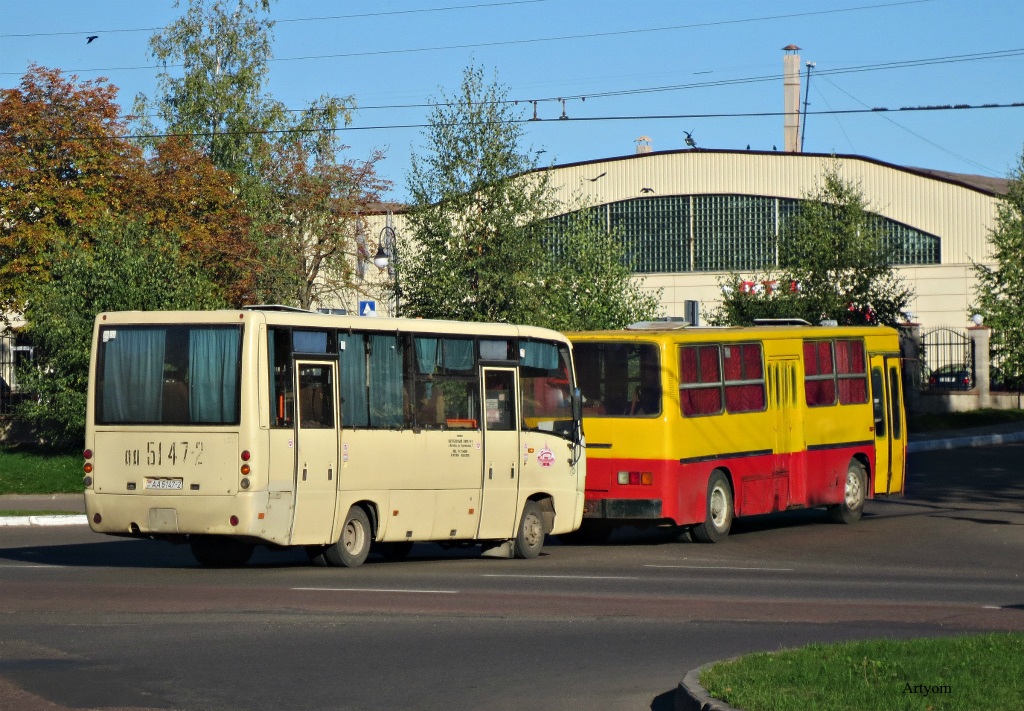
948 359
14 353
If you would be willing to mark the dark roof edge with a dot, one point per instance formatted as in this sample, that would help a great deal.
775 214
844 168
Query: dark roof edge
978 183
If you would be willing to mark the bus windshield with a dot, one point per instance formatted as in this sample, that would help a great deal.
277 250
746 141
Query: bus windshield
168 375
619 379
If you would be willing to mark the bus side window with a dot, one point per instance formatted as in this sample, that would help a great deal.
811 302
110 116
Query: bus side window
282 394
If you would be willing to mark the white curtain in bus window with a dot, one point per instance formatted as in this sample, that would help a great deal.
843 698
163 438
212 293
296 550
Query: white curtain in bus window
213 375
133 369
387 388
354 407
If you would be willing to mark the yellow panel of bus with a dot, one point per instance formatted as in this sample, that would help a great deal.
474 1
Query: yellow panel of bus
695 426
339 434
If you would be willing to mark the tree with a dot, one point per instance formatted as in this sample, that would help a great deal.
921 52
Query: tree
1000 291
590 283
295 187
479 222
63 163
833 264
131 267
320 200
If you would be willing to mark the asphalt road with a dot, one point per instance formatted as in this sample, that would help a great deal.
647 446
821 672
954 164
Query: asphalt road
102 623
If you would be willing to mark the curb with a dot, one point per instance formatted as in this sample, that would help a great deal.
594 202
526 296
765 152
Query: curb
691 696
932 445
51 520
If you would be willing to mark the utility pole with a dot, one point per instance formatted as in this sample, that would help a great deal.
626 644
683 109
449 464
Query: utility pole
803 117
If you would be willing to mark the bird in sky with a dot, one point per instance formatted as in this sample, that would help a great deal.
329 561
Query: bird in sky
598 177
90 38
689 139
646 190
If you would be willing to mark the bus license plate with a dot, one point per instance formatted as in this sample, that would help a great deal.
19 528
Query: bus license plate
163 483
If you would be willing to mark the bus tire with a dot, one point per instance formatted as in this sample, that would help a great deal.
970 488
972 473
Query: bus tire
530 537
855 493
220 551
353 545
717 511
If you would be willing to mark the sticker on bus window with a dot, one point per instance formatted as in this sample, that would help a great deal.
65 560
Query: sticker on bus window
546 457
109 335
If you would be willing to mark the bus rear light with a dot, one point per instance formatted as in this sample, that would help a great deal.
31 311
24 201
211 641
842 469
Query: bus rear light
233 520
87 468
245 469
636 478
245 455
96 518
244 483
87 454
87 482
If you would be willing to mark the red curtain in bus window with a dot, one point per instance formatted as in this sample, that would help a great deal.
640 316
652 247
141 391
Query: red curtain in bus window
852 372
700 391
743 365
819 373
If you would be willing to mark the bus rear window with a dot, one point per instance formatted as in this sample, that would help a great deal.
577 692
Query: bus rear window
168 375
619 379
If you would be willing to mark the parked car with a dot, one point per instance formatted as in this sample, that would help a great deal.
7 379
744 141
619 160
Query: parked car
951 377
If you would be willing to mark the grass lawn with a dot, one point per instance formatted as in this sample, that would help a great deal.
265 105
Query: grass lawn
23 472
962 420
951 674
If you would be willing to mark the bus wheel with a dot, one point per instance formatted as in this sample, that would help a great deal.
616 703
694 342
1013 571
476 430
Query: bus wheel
530 538
220 551
718 512
354 544
854 494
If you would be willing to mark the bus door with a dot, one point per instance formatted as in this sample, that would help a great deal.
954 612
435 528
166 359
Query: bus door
890 429
316 451
499 503
788 484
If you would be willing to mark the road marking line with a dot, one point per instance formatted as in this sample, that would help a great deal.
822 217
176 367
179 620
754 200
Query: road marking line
562 577
719 567
40 565
382 590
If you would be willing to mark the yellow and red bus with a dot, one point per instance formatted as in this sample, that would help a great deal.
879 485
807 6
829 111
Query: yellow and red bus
695 426
279 427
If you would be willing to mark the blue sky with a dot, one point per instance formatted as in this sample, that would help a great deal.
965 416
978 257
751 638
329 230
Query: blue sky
698 65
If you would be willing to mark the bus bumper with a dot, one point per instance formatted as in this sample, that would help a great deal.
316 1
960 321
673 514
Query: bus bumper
623 509
161 515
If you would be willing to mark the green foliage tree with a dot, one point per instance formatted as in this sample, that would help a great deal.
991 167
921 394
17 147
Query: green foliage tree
833 264
480 247
590 284
999 295
131 267
302 200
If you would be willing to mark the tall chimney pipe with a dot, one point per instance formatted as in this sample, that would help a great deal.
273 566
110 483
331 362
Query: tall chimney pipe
791 92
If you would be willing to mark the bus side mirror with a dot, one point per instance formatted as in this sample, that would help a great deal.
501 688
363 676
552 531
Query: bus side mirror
577 405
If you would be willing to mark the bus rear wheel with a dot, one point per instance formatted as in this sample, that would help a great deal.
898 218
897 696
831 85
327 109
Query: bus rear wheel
717 512
220 551
353 545
530 537
855 493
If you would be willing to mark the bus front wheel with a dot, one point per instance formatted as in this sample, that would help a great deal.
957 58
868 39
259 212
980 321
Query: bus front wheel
220 552
717 512
530 537
855 492
353 545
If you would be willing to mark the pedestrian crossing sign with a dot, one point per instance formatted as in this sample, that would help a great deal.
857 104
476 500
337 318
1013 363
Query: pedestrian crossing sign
367 308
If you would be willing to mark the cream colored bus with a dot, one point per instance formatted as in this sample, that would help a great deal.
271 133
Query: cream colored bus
280 427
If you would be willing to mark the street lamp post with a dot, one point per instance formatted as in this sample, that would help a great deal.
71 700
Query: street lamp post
387 258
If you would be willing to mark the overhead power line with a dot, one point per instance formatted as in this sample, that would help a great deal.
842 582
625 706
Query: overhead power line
565 119
293 19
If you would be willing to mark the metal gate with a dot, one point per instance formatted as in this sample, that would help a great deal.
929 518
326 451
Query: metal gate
948 359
